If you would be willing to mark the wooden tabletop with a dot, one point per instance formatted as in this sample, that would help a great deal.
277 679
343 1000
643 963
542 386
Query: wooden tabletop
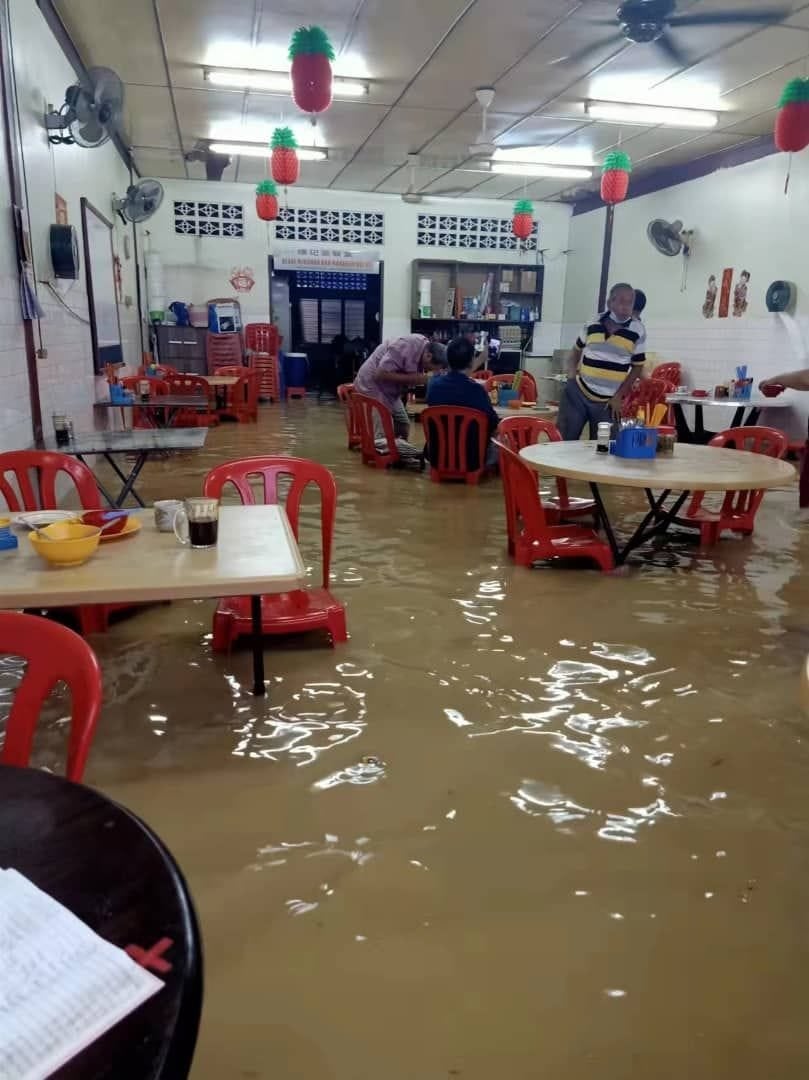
221 380
256 553
691 468
133 441
112 872
757 402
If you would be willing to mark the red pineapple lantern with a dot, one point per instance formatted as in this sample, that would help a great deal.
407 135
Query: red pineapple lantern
267 200
522 223
792 120
311 54
284 163
615 176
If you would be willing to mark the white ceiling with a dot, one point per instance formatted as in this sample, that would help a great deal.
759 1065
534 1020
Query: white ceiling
424 59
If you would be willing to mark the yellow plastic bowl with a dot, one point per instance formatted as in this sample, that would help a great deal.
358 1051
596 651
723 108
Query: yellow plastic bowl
69 543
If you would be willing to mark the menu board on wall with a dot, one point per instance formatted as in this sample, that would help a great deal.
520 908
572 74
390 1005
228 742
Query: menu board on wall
105 327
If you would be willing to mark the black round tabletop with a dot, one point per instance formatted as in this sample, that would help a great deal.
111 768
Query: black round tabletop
111 871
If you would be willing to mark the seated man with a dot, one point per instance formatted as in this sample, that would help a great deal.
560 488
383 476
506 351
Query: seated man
458 387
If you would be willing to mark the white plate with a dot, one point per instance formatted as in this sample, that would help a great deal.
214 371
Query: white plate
39 518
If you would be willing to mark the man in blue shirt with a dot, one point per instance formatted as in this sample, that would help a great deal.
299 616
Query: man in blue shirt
457 387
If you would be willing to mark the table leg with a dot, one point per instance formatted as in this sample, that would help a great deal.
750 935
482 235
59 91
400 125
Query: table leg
752 417
110 499
605 521
129 481
738 417
684 432
259 689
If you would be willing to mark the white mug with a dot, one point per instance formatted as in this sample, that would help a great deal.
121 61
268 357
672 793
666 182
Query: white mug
165 511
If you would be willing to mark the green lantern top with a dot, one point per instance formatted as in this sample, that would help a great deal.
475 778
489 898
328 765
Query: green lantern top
795 92
283 139
617 160
524 206
266 187
308 40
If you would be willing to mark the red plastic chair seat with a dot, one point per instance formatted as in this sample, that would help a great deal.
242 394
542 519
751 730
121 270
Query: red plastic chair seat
28 481
520 431
531 536
53 654
739 508
450 431
300 610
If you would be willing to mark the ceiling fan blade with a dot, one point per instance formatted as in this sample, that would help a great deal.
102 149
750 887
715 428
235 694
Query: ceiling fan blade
582 54
672 51
720 18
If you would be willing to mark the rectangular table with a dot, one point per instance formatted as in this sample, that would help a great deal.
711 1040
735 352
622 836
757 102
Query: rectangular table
257 554
139 442
164 409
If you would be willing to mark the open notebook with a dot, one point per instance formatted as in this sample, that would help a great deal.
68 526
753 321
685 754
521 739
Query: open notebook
61 985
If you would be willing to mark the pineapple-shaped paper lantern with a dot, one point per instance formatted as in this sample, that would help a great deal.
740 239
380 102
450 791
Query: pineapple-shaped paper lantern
267 200
615 176
792 119
311 54
522 223
284 163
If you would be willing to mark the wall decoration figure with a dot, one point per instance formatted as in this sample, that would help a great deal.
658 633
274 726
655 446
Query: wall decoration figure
242 278
709 306
724 293
740 294
311 54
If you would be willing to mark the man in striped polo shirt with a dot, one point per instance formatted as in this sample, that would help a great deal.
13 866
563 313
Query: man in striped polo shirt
607 359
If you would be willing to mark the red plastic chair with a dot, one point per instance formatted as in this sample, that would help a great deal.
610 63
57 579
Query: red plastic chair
222 350
241 401
344 395
262 338
364 411
161 371
449 432
739 508
671 372
528 386
531 536
520 431
262 343
193 386
28 481
483 373
144 418
649 392
302 609
53 654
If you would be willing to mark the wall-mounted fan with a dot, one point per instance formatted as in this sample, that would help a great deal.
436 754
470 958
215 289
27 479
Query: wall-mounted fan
645 21
140 202
215 164
669 237
91 111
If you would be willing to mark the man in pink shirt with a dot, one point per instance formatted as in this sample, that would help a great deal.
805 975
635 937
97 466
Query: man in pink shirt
393 368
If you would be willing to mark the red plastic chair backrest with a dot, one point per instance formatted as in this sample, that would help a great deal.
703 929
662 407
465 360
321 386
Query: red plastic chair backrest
53 654
649 392
520 431
244 392
28 480
222 349
364 411
189 384
161 371
270 470
672 372
344 391
447 429
261 338
758 440
524 508
483 373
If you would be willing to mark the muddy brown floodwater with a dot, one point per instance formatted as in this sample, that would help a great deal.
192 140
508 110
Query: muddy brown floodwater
525 824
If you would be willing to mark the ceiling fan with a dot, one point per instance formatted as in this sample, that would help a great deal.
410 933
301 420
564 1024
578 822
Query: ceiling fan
651 22
483 145
412 195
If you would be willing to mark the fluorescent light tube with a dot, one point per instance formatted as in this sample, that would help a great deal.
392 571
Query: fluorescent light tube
560 172
278 82
622 112
242 149
546 155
